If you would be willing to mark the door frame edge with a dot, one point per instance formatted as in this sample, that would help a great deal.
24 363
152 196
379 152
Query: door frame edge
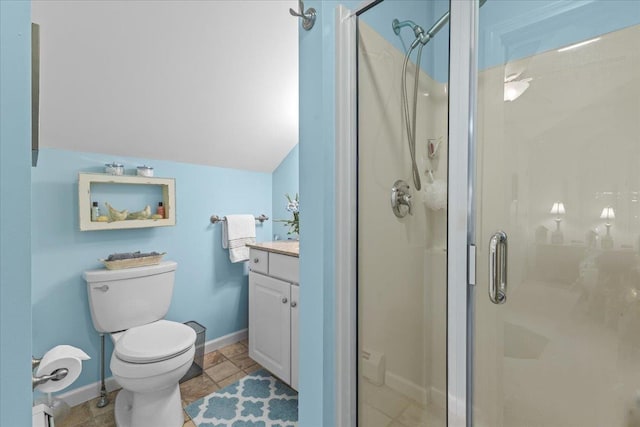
346 218
460 214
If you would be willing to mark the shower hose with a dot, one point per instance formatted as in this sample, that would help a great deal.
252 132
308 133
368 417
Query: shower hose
410 121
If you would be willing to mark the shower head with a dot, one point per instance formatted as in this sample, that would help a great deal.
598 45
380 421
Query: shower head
417 31
422 36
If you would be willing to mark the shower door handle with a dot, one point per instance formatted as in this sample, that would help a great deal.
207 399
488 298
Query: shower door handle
498 268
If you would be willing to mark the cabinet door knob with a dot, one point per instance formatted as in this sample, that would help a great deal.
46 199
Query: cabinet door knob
284 300
256 260
293 303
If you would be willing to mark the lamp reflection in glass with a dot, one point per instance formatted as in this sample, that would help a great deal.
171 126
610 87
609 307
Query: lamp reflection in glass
607 214
558 210
514 88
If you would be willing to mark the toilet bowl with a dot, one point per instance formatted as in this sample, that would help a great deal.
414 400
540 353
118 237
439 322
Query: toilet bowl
150 354
148 362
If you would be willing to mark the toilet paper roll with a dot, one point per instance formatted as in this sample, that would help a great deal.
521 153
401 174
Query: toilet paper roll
61 356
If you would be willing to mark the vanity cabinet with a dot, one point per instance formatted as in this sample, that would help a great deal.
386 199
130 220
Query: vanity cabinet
167 188
294 336
273 313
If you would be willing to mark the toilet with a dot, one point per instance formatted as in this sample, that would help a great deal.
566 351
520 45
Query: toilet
150 353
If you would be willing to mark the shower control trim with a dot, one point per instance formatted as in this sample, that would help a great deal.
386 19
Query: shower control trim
401 199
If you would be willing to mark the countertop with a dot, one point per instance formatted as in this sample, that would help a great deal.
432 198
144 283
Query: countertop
284 247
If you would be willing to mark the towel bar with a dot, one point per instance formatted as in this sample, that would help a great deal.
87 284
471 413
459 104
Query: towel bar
215 218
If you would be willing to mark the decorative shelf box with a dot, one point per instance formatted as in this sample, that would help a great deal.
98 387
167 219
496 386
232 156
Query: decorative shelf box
85 180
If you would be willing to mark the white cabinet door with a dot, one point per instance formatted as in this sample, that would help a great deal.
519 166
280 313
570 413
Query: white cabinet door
270 324
295 305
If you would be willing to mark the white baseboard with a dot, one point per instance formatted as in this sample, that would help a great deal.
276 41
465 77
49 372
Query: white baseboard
406 387
226 340
88 392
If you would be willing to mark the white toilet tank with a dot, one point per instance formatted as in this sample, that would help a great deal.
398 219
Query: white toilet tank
122 299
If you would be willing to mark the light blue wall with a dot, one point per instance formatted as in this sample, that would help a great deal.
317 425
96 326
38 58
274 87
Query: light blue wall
285 181
209 289
15 181
317 201
316 143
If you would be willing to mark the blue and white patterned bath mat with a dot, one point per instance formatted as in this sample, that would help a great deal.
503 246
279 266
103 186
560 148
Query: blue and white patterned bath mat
257 400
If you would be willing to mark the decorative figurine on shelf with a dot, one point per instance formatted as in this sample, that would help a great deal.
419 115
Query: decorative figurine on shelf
293 207
116 215
143 214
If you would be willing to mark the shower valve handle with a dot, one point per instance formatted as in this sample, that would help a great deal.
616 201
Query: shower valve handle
406 200
401 196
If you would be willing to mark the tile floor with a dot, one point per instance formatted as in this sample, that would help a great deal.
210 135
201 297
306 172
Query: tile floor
221 368
385 407
382 406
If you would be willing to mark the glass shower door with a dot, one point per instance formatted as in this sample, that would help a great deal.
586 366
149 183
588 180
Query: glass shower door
402 172
558 172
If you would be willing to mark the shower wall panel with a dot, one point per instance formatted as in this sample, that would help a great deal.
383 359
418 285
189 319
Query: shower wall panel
402 262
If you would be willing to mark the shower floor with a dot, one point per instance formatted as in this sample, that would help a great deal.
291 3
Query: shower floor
385 407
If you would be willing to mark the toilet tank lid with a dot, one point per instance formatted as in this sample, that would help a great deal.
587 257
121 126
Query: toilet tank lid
104 275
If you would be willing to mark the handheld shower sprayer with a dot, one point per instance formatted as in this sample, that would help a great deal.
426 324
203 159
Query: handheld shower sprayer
422 38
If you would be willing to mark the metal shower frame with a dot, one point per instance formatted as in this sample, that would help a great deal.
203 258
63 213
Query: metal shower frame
460 213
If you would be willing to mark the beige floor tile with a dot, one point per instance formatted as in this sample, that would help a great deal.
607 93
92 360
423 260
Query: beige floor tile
245 342
234 350
189 424
371 417
415 416
242 361
79 415
105 420
232 379
185 416
96 412
253 368
222 370
385 399
196 388
213 358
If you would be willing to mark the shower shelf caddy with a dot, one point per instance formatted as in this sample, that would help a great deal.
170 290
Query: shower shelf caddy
85 180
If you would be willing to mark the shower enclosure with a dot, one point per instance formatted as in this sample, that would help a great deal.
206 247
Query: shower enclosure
402 151
539 177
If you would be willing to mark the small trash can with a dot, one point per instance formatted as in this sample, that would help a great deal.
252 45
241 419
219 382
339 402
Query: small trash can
198 358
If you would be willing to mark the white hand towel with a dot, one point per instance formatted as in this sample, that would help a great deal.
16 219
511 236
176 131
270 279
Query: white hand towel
237 231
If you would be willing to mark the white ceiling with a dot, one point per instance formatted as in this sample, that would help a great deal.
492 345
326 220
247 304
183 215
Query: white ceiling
207 82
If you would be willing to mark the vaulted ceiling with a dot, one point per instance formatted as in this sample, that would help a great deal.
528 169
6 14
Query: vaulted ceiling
207 82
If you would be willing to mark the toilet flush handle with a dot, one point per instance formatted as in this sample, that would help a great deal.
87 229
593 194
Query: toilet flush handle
103 288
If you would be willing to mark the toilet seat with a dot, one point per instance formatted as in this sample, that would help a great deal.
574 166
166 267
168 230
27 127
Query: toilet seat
154 342
152 349
146 371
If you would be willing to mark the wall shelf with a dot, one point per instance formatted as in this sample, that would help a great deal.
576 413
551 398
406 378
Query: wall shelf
85 180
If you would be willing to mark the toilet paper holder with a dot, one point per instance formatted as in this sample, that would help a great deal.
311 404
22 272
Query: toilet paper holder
56 375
